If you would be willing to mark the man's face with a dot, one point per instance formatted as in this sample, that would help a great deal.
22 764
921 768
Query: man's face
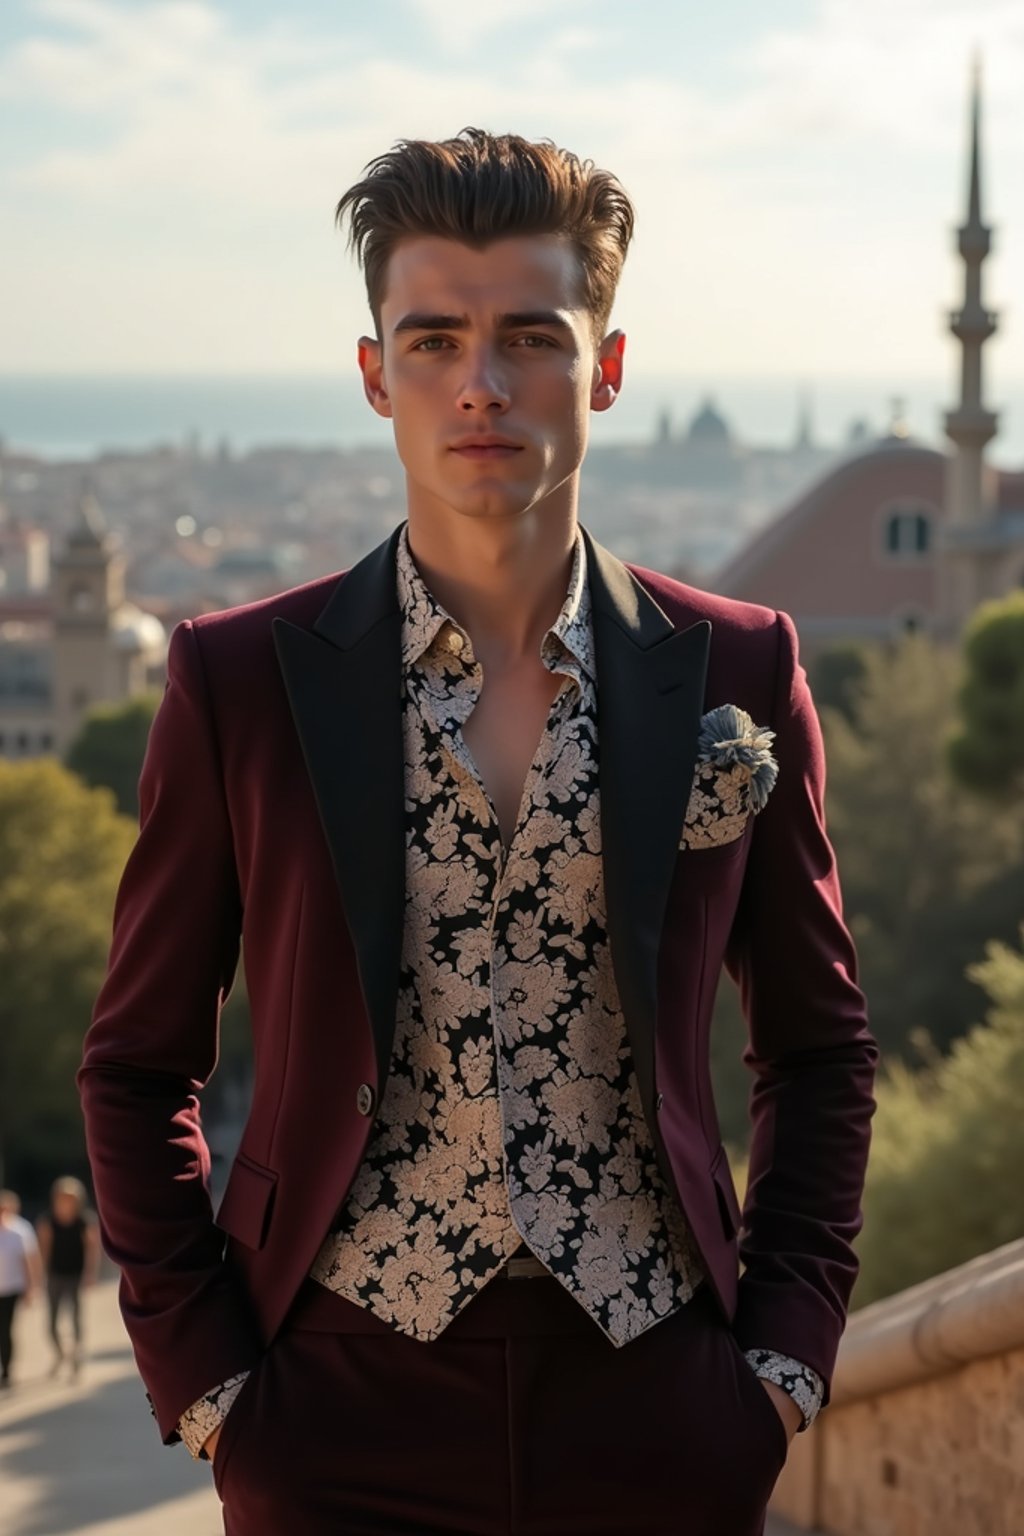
488 368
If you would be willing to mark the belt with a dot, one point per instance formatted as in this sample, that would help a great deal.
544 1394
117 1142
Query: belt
522 1266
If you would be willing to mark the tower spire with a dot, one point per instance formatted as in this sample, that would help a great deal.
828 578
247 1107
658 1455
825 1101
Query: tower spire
90 525
804 426
974 195
970 425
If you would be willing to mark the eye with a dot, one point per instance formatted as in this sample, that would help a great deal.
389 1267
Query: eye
534 339
426 344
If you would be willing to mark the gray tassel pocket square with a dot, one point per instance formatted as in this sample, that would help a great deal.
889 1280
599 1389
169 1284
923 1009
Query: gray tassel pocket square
734 776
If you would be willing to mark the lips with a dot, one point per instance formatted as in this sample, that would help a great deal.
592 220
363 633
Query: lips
487 451
486 445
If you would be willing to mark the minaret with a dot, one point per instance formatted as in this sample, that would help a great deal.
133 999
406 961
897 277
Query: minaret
970 497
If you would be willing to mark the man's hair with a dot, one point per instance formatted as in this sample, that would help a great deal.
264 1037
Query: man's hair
69 1186
480 187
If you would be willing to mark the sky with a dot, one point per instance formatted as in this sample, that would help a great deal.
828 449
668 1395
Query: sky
169 171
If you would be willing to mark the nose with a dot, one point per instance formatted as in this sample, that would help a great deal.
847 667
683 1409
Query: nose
483 386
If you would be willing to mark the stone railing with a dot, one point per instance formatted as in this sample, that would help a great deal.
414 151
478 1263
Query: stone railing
924 1435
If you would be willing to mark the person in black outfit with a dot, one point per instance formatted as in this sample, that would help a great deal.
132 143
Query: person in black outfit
69 1244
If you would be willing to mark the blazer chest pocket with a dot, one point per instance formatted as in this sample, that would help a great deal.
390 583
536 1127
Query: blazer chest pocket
248 1202
734 774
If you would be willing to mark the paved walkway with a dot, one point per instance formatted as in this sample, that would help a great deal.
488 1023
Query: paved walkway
84 1458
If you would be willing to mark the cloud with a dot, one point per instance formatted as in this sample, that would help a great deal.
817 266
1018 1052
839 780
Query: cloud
177 95
461 25
179 102
875 73
807 198
119 56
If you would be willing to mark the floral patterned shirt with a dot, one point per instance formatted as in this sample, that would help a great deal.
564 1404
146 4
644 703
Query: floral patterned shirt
511 1113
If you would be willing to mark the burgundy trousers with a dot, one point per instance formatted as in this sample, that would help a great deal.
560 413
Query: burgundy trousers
522 1419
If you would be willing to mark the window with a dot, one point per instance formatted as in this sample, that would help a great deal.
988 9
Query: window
908 533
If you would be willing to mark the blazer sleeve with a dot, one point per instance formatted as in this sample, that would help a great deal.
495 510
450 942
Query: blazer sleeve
151 1047
810 1049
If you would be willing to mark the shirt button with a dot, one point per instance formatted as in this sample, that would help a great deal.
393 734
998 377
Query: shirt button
364 1099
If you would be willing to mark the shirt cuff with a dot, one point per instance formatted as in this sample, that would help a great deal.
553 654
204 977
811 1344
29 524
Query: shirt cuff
804 1386
198 1423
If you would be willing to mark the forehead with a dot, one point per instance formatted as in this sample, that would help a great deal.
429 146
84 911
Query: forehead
516 273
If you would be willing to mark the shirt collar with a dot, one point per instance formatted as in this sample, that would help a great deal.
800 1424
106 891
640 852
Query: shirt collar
424 619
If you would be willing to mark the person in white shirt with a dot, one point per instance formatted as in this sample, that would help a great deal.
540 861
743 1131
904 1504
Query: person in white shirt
21 1273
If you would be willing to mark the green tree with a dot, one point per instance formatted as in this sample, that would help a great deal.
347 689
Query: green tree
944 1175
110 746
835 674
929 873
62 849
987 752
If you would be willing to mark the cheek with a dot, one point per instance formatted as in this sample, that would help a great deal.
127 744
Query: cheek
412 408
578 412
412 444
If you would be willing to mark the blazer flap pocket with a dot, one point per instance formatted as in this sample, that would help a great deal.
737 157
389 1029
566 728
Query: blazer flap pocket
725 1190
248 1202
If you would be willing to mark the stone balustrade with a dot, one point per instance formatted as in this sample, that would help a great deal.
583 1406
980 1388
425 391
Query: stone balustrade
924 1435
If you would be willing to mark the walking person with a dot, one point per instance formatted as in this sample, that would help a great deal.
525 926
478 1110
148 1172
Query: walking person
489 812
70 1251
20 1274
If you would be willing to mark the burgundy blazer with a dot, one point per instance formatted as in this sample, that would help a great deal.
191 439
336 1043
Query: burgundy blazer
272 813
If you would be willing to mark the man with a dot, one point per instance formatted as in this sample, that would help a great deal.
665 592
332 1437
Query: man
20 1274
489 812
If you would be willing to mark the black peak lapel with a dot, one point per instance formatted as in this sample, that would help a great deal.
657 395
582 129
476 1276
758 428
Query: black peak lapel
344 685
650 697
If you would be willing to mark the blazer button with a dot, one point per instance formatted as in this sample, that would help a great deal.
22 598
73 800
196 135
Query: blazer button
659 1101
364 1099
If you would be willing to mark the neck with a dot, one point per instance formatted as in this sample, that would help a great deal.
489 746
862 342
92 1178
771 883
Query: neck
503 580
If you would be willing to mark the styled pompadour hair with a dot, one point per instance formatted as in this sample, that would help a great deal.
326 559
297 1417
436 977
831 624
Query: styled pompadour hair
479 187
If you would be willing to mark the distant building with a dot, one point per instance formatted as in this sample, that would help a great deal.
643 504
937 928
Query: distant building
76 645
688 499
24 560
901 536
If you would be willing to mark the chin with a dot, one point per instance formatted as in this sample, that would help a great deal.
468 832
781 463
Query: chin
489 507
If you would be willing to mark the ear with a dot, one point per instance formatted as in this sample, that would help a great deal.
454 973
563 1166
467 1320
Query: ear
608 371
371 366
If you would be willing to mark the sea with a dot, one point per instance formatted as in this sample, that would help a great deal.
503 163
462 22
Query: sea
78 417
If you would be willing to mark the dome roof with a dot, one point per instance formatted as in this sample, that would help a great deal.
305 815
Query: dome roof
134 630
709 427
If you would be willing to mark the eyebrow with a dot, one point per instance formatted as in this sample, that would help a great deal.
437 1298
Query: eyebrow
514 320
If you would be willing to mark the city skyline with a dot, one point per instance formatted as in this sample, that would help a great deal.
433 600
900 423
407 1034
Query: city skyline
170 171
